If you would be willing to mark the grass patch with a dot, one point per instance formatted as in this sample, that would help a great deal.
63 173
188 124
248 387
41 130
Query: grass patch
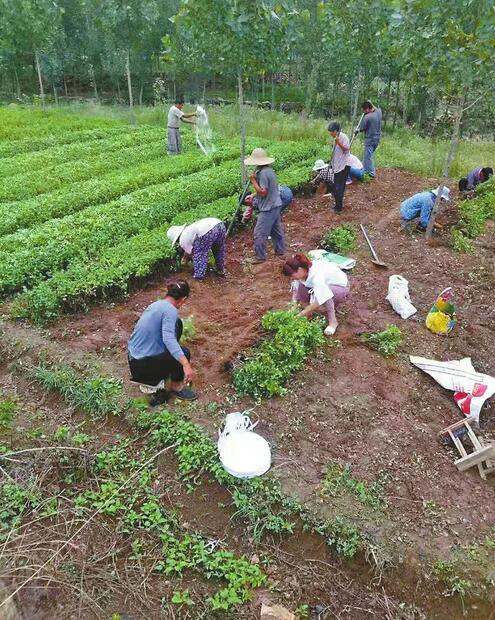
189 329
8 409
341 239
96 396
386 342
338 480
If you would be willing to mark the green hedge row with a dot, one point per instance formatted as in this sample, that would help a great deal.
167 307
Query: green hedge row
118 267
64 153
16 122
21 186
292 338
12 147
32 212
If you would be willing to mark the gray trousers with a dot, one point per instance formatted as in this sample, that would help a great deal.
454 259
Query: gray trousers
268 224
174 146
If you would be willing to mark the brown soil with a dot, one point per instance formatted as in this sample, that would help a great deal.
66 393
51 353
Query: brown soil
350 405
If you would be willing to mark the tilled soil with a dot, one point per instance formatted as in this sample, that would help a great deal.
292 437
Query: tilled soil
350 405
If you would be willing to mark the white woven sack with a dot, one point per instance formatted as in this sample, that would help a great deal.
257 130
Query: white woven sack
243 454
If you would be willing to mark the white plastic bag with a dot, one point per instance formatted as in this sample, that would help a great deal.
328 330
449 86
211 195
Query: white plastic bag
398 296
243 454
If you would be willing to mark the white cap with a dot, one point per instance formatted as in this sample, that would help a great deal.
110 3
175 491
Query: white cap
319 165
174 232
445 193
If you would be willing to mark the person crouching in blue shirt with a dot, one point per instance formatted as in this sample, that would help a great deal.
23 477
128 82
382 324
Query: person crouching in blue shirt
154 352
420 205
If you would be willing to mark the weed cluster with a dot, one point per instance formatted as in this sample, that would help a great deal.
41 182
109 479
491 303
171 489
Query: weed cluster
386 342
260 503
341 239
338 480
268 367
97 396
7 411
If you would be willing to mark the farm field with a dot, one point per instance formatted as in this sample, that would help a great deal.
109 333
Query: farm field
364 514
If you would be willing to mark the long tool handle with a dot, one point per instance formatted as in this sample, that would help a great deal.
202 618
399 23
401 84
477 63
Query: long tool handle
354 132
369 243
243 195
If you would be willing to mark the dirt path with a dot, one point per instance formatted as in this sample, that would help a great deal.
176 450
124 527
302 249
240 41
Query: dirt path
353 406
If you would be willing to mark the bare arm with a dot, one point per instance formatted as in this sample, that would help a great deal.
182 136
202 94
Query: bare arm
308 310
189 115
188 371
261 191
187 120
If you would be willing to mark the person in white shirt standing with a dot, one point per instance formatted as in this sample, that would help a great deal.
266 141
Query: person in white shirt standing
175 116
319 285
196 241
339 164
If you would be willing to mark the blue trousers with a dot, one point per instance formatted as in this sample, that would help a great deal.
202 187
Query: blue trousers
356 173
268 224
369 151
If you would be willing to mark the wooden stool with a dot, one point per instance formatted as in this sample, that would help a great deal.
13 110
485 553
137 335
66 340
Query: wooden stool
481 455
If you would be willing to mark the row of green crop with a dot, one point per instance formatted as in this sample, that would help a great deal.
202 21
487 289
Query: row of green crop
60 154
78 196
32 183
473 215
120 266
292 338
16 122
10 148
36 253
260 504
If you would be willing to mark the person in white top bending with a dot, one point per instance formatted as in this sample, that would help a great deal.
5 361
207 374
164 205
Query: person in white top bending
320 286
196 241
175 116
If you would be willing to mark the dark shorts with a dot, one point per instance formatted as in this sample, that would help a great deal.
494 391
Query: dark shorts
152 370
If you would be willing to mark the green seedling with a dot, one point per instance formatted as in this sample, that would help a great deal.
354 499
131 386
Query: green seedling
386 342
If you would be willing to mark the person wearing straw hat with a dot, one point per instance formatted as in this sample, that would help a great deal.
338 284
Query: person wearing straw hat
196 241
269 205
420 205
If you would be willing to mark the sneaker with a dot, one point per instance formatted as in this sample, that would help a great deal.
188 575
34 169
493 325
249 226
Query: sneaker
159 398
330 330
187 393
348 182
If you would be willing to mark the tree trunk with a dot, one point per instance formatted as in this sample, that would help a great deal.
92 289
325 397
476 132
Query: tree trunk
273 94
55 95
356 99
396 107
141 89
204 92
65 89
129 82
448 161
263 87
406 106
17 84
38 69
93 81
387 101
242 126
119 94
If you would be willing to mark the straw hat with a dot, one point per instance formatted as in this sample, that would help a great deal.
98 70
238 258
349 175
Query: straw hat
445 193
319 165
174 232
258 158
